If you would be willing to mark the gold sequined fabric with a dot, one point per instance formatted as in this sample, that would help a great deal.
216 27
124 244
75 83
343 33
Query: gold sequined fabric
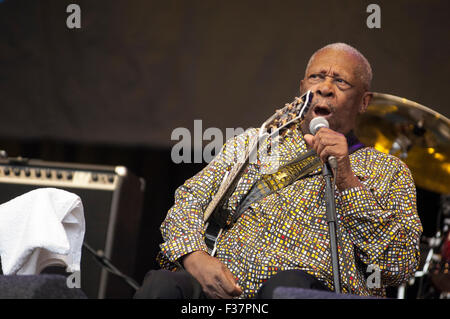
378 222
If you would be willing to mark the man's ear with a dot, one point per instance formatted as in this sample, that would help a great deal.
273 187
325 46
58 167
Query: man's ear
301 87
365 101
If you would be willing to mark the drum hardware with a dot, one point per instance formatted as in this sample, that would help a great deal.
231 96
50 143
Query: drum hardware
440 272
433 279
431 257
421 275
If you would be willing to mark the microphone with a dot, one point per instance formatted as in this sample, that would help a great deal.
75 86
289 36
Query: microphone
316 124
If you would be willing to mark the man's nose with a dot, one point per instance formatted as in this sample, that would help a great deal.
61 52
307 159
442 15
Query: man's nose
325 88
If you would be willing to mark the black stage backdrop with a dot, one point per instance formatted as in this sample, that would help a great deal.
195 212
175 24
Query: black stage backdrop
113 91
137 69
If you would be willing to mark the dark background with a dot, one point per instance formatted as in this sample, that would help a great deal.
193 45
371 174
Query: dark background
113 91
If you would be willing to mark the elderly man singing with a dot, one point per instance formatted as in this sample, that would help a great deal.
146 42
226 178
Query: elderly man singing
283 239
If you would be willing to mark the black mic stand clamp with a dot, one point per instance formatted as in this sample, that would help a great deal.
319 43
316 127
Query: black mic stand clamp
332 225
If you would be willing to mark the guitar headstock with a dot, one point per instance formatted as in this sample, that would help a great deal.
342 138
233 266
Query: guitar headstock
288 118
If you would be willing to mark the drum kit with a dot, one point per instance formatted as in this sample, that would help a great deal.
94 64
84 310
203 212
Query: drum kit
421 138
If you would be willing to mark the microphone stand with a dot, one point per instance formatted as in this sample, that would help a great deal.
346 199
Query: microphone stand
332 225
106 263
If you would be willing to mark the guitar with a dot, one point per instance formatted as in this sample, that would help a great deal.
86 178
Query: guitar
282 123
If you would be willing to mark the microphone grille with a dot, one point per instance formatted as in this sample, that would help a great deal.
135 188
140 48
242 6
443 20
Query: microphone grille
317 123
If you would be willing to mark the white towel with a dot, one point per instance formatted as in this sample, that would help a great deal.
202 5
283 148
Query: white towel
38 227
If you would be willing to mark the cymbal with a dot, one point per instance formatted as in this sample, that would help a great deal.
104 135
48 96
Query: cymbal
414 133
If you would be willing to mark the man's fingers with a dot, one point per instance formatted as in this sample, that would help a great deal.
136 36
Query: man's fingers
229 284
325 153
222 285
235 291
309 139
326 143
216 279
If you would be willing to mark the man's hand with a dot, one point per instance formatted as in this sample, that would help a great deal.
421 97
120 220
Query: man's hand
216 279
327 142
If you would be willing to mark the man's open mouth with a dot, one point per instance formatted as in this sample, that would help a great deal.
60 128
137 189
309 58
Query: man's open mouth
321 110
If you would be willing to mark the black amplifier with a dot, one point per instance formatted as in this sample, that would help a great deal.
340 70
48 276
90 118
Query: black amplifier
112 199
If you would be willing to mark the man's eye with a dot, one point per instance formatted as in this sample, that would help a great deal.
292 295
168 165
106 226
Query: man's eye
315 77
342 84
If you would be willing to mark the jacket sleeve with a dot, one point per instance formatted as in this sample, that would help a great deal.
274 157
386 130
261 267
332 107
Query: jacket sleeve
183 229
382 222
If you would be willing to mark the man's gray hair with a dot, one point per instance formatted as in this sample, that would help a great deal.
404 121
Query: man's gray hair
365 72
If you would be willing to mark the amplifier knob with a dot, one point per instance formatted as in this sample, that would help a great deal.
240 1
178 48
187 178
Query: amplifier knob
38 173
17 171
69 175
6 171
27 172
59 175
94 177
48 173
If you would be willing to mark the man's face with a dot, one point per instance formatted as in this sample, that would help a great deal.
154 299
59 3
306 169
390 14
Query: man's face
339 93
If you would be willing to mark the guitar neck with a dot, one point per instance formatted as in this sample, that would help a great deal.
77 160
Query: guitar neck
230 182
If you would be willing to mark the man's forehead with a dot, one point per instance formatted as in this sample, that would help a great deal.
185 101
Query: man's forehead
334 62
